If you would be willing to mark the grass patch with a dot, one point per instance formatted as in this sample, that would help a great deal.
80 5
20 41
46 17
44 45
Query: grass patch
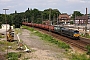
13 56
26 58
48 38
4 44
1 36
17 30
79 57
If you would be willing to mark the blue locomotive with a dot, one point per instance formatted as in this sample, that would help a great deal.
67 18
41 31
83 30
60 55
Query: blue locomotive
74 34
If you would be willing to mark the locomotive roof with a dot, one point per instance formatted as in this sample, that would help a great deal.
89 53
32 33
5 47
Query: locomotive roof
70 29
73 30
64 28
58 26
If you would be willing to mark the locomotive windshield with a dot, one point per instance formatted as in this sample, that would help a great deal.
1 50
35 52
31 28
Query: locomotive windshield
77 32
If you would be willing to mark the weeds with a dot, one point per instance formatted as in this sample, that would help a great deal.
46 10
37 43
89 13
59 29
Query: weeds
5 44
79 57
13 56
1 36
88 50
86 36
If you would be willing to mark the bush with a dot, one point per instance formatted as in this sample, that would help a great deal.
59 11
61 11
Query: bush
88 49
87 35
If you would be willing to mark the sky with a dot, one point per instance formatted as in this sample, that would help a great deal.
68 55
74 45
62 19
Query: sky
64 6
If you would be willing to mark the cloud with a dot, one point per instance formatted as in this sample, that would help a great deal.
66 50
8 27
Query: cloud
74 1
5 0
79 1
62 5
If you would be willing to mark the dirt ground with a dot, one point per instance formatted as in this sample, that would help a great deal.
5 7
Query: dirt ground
41 50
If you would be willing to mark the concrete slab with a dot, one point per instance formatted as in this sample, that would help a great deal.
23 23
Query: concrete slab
3 31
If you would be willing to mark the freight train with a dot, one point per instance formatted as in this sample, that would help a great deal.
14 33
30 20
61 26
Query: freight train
74 34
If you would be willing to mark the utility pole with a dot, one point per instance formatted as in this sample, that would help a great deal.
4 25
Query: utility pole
6 28
27 20
86 23
42 17
32 19
75 20
57 19
50 16
54 19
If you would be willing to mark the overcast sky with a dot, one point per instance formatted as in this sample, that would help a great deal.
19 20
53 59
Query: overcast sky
64 6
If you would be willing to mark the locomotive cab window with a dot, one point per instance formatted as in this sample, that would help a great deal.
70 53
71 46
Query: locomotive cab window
77 32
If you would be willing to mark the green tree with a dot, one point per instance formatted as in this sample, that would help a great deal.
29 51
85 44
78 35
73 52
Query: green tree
28 15
17 19
34 15
75 14
37 15
53 12
2 18
10 20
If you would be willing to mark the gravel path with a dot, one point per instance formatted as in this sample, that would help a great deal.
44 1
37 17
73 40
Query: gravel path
42 50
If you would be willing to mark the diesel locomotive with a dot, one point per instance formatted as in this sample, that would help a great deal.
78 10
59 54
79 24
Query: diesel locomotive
74 34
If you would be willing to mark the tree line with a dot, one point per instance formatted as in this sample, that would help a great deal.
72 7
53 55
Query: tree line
33 15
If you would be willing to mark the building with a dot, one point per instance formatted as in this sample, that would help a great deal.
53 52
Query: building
64 18
81 20
4 26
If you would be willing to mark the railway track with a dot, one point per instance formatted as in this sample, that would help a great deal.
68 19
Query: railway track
80 44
